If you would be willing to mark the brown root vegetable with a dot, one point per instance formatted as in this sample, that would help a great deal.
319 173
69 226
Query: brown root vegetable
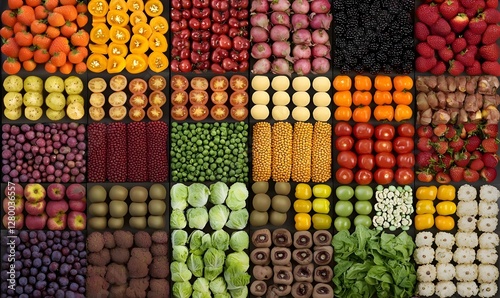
323 274
487 85
262 238
282 275
461 83
471 85
491 114
302 256
302 290
470 104
261 256
441 96
282 238
304 273
262 272
425 117
302 239
442 84
453 114
323 255
322 291
432 100
462 116
282 290
475 116
422 103
460 98
322 238
440 117
452 85
281 256
258 288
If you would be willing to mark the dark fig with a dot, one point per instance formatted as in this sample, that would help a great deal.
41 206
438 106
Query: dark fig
303 273
262 238
302 239
260 256
323 274
258 288
302 290
281 256
322 238
323 255
302 256
282 238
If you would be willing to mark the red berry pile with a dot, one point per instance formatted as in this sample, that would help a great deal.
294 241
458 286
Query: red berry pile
458 36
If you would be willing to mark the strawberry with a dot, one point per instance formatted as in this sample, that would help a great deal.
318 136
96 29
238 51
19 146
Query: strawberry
490 52
24 39
60 44
9 18
427 13
467 56
491 16
492 3
436 42
41 13
425 176
456 68
440 130
489 174
441 147
25 54
10 48
424 50
491 34
15 4
41 56
473 143
26 15
446 161
421 31
449 9
424 144
474 70
423 159
457 144
477 25
490 159
462 159
50 4
491 68
423 64
490 145
450 132
467 3
425 131
458 45
76 56
42 41
456 174
6 32
476 164
443 178
69 12
56 19
471 175
459 22
440 27
471 128
439 68
490 130
476 155
471 38
446 54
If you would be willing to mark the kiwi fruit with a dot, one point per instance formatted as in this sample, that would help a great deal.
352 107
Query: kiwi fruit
157 192
261 202
118 193
260 187
258 219
281 203
138 194
282 188
97 194
277 218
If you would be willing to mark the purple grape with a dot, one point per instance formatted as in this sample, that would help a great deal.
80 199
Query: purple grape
73 272
46 261
32 280
40 277
28 289
19 290
54 285
6 128
63 281
59 294
25 272
23 281
40 285
33 270
56 256
51 292
14 130
26 253
27 263
20 138
51 276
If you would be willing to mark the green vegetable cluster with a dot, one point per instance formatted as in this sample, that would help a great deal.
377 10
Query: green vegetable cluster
372 263
209 152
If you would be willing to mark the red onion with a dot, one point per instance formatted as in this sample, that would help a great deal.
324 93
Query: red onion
280 18
281 66
259 34
261 66
280 33
301 52
320 6
259 20
320 50
302 66
320 65
301 6
320 36
261 50
280 5
281 49
300 21
260 6
321 21
302 37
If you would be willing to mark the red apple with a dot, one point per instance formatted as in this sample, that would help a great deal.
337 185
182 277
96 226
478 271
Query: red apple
34 192
75 192
16 205
78 205
35 208
56 191
54 208
14 189
57 223
36 222
77 221
18 221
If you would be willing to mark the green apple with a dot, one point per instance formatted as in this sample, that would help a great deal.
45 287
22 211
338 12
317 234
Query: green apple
74 98
33 113
54 84
13 84
344 193
363 220
55 115
343 208
73 85
56 101
13 100
363 192
33 84
13 114
33 99
342 223
363 207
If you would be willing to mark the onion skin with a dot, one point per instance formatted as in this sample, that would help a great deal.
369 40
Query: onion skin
320 36
280 5
300 21
262 66
301 6
280 33
321 21
302 66
320 6
302 37
321 50
259 20
301 52
259 34
281 66
281 49
280 18
260 6
261 50
320 65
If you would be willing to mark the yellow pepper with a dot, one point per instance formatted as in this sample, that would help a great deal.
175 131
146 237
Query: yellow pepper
424 221
426 193
322 191
445 223
302 221
425 207
446 193
446 208
321 206
322 221
303 206
303 191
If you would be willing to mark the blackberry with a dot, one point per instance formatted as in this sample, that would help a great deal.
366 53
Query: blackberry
341 43
396 61
340 18
338 5
359 68
387 68
407 43
338 60
345 69
407 5
394 7
381 57
339 30
373 46
407 67
375 69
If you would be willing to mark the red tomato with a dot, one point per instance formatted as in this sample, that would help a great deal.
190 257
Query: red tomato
238 98
383 146
219 83
344 143
179 112
238 83
366 161
344 176
406 160
343 129
347 159
198 112
363 130
364 146
406 130
219 112
385 160
403 145
404 176
385 132
198 97
363 177
239 113
384 176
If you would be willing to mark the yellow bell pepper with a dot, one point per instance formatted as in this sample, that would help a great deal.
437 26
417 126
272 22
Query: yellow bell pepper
424 221
322 191
426 193
446 193
446 208
303 191
302 206
445 223
302 221
321 206
321 221
425 207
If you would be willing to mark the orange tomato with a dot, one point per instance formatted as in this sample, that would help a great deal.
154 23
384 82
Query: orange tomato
362 83
384 112
342 83
342 98
403 112
402 97
362 114
361 98
382 97
383 83
402 83
343 114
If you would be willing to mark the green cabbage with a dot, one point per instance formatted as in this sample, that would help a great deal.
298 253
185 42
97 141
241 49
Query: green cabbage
239 241
182 289
238 194
197 218
238 219
218 193
198 195
180 272
218 215
177 220
178 196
